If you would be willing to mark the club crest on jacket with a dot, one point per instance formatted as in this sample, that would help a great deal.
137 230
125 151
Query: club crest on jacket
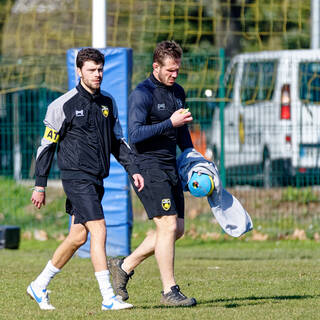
105 111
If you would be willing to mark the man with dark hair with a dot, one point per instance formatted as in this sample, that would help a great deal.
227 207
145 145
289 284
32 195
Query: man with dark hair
157 125
84 124
89 54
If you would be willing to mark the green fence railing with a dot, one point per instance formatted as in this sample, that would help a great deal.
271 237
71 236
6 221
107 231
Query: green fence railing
237 107
21 129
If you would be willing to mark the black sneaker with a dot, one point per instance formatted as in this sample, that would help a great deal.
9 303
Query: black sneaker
119 277
176 298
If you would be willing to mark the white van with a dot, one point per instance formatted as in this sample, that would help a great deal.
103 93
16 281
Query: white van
271 117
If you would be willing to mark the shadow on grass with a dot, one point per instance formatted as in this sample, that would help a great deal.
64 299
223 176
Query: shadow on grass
253 258
232 303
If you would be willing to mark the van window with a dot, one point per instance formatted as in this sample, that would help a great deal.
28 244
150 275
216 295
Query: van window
309 82
230 83
258 81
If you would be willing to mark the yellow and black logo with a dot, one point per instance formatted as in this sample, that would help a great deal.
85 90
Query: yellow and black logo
166 204
105 111
51 135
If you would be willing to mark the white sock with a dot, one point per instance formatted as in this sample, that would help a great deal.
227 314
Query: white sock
46 275
103 278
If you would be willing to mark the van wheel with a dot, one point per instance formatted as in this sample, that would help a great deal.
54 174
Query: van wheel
267 173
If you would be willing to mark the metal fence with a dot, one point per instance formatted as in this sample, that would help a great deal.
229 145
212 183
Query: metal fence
266 130
21 116
257 116
28 85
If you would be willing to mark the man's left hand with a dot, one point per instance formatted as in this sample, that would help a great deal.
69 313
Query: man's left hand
138 181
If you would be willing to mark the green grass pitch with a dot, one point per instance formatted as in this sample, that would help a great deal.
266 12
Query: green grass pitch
229 279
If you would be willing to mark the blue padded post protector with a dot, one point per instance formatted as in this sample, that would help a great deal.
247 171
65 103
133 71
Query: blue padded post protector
116 202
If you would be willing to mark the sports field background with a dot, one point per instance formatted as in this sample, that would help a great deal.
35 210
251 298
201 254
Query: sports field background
34 37
270 273
247 278
230 279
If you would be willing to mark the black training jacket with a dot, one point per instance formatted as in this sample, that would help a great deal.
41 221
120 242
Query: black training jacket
86 130
151 133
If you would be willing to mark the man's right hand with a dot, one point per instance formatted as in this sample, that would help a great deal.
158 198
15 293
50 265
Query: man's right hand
38 198
180 118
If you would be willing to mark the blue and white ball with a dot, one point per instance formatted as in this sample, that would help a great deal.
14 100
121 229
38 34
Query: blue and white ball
201 185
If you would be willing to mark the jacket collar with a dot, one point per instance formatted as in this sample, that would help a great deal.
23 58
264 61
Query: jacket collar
158 83
87 94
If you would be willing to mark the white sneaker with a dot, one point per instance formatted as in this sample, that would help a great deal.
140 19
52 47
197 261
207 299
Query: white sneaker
115 304
40 296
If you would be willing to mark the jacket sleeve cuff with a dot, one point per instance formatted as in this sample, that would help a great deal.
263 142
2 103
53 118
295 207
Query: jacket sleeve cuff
168 124
41 181
133 169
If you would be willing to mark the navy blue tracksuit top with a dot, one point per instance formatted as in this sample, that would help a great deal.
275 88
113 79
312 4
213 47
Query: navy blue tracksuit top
151 133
